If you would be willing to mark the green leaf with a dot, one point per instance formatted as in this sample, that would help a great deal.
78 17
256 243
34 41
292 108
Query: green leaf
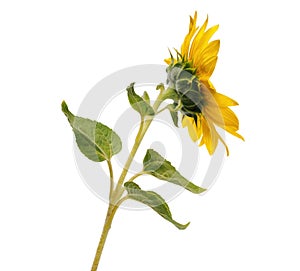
146 97
153 200
138 103
160 87
157 166
174 114
95 140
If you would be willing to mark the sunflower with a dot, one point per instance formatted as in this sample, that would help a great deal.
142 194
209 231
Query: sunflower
202 107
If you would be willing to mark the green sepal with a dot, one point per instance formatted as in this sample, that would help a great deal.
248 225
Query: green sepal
94 139
138 103
172 94
173 113
157 166
154 201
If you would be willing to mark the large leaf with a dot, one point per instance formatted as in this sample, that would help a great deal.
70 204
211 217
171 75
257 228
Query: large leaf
160 168
95 140
138 103
153 200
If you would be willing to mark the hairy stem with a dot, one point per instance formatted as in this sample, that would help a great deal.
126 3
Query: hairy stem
107 224
136 175
145 124
115 198
111 211
111 178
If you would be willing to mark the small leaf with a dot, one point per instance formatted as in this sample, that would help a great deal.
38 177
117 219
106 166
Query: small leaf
160 87
95 140
174 114
138 103
157 166
146 97
153 200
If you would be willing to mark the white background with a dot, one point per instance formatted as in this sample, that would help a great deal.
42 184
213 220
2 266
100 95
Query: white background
55 50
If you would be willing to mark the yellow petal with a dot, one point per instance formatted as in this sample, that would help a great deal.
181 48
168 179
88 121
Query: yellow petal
230 117
207 68
233 132
214 137
211 139
192 30
212 49
225 145
208 91
214 98
210 86
202 141
214 114
201 42
198 37
168 60
223 100
221 116
224 118
199 126
192 128
210 136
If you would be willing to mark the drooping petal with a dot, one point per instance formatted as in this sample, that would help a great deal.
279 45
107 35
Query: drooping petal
210 136
205 141
214 114
192 127
222 116
210 86
208 91
229 117
214 98
199 126
224 143
233 132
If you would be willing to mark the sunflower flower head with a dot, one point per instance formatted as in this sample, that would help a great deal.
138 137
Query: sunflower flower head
202 107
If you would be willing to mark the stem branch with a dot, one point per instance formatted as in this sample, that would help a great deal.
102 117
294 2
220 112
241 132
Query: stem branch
135 176
111 178
145 123
115 195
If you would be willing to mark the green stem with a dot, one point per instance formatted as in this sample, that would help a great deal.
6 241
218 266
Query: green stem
136 175
163 109
111 178
115 199
145 123
119 191
106 227
111 211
